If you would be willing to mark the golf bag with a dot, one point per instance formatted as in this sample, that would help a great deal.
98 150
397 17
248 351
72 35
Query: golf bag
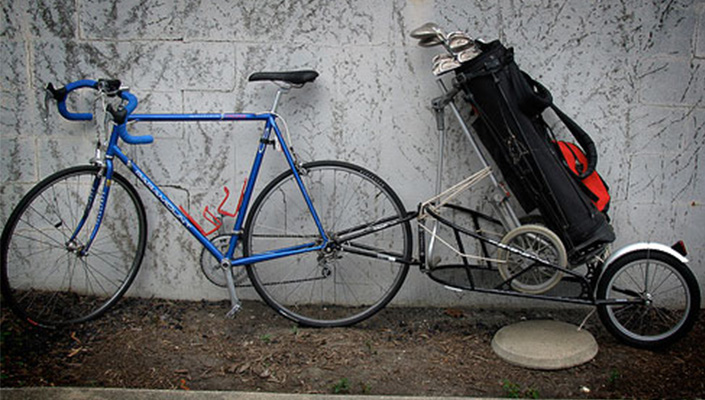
510 105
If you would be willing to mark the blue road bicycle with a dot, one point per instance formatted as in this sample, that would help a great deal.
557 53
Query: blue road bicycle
324 243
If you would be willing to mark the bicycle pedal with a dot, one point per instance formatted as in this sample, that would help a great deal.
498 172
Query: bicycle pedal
234 311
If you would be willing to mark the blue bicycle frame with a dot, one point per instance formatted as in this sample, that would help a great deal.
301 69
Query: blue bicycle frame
124 115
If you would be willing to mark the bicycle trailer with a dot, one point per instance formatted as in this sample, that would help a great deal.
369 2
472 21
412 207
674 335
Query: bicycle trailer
543 174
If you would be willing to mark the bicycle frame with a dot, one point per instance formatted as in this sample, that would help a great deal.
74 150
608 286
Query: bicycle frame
113 150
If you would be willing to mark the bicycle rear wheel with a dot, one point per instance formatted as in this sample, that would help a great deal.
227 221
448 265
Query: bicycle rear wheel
330 287
45 279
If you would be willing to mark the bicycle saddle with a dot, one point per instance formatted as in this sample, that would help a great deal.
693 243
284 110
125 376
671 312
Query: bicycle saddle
292 77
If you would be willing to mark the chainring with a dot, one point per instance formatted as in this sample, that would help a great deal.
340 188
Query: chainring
211 267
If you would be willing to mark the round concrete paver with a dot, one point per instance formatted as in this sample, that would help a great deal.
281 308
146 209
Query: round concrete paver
544 344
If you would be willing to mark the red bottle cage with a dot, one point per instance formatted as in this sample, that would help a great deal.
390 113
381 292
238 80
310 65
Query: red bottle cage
217 222
213 220
239 203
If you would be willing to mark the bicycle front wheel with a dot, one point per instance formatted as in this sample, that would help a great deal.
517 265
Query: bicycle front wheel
46 278
333 286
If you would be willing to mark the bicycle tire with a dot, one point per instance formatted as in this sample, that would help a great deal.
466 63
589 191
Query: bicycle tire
541 242
643 274
43 277
334 288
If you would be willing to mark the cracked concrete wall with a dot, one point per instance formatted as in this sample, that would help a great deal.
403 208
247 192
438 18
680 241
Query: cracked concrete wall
630 72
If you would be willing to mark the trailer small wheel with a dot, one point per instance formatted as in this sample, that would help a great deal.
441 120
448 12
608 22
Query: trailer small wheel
540 242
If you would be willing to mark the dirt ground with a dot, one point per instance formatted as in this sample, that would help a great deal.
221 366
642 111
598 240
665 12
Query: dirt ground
402 351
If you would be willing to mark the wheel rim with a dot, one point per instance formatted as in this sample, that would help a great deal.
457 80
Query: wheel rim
328 287
540 242
49 281
664 300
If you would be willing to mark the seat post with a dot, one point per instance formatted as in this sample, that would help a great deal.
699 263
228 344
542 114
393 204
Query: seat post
282 89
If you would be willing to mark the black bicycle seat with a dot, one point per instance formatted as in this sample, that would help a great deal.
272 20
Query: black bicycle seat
292 77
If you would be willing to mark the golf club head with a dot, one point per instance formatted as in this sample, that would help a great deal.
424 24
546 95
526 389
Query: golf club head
427 30
444 63
469 54
459 41
430 42
441 58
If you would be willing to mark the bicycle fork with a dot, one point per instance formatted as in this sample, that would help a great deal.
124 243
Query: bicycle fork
72 244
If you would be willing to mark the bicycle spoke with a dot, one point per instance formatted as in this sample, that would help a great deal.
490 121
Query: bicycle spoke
43 233
50 283
664 287
346 206
533 276
656 288
338 287
666 318
634 280
669 290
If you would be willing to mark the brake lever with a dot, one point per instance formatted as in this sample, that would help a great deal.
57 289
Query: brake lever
111 87
51 93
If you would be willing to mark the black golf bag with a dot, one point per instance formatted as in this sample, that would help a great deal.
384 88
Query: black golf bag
510 105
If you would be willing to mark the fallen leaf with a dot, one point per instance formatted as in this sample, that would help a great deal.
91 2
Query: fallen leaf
244 367
454 312
75 351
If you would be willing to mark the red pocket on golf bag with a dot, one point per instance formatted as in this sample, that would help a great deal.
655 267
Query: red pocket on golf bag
593 184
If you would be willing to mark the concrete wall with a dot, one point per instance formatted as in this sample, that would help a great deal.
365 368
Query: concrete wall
630 72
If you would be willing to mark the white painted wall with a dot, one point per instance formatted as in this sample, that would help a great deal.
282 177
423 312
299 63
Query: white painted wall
631 73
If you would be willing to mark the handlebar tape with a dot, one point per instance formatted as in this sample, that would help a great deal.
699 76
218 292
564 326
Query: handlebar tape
61 94
120 115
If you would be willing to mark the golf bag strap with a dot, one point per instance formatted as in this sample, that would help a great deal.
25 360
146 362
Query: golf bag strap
583 139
